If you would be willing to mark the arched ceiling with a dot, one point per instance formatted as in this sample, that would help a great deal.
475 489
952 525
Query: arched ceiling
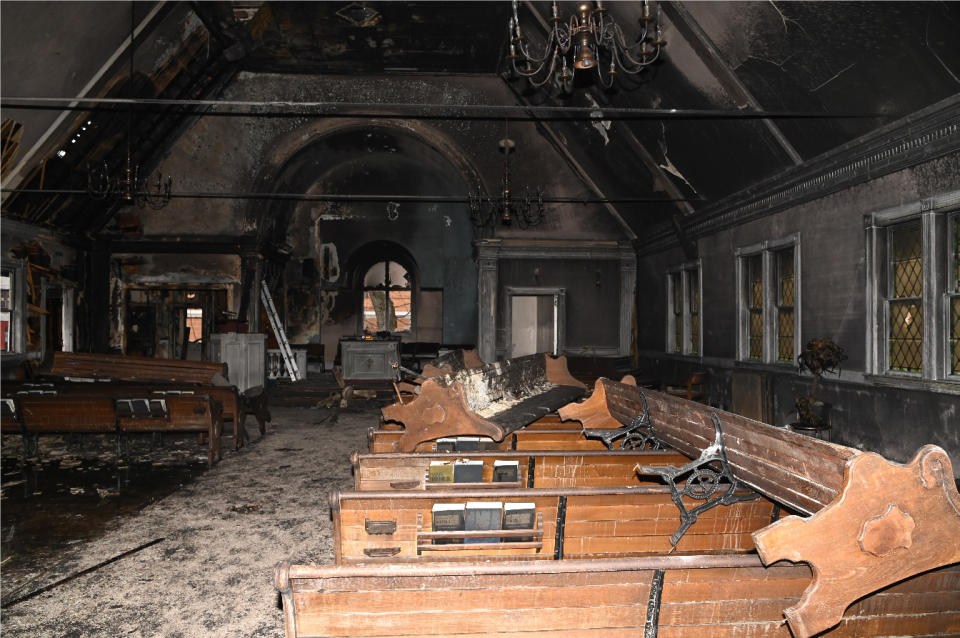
828 74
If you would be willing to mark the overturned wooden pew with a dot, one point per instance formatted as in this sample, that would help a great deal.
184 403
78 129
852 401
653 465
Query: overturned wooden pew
572 522
533 469
691 596
872 522
32 415
491 401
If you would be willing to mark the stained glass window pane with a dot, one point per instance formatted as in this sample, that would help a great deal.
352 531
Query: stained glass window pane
905 308
785 304
676 293
906 260
906 336
955 335
754 283
693 286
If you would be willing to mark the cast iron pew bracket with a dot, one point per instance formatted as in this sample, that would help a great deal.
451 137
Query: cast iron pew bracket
702 483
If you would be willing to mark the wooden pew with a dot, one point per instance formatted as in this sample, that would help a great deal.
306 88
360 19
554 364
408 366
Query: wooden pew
137 369
31 415
177 413
491 401
373 472
380 440
873 522
693 596
234 406
584 522
231 405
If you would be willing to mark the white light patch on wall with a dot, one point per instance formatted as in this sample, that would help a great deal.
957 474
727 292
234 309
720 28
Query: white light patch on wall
598 122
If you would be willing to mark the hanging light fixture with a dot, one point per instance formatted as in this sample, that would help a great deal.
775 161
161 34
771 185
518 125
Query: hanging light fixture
128 187
524 211
589 40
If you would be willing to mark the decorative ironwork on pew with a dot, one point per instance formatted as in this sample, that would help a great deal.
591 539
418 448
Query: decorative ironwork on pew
702 483
638 435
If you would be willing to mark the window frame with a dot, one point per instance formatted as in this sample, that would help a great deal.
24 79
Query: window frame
410 287
939 217
767 251
18 305
684 274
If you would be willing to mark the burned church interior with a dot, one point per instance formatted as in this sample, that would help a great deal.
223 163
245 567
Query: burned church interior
289 288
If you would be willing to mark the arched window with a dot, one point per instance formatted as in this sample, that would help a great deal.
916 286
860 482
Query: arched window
387 298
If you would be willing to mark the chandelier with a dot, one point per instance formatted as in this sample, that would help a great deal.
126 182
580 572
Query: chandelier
524 210
128 187
589 40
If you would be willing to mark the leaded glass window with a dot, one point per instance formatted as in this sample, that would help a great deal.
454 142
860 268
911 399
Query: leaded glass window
953 297
676 292
683 301
754 297
693 289
905 296
785 304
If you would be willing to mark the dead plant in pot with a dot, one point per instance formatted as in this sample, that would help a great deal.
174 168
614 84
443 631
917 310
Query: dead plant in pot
819 356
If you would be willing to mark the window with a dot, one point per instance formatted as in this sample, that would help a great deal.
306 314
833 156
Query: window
913 291
953 296
769 301
11 309
387 298
684 335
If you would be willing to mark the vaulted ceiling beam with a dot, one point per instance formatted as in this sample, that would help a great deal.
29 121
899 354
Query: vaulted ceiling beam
703 46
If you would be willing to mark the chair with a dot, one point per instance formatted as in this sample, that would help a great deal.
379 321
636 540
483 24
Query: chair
693 388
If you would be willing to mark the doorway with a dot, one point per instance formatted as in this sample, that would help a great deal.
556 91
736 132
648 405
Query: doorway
535 320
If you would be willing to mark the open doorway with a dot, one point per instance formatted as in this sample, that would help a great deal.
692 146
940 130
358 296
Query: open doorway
535 320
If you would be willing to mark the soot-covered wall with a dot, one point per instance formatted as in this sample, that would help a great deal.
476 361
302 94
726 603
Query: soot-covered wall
868 412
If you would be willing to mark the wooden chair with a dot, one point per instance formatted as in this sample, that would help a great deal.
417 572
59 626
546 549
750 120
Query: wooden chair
693 388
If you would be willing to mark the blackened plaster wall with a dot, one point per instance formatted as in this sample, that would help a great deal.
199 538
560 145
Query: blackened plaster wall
894 420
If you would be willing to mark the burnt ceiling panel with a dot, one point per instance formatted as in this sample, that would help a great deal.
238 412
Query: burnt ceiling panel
352 37
887 59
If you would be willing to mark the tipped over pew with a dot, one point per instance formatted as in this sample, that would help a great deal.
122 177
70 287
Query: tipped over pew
492 400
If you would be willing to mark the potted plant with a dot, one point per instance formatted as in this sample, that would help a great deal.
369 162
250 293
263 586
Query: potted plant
819 356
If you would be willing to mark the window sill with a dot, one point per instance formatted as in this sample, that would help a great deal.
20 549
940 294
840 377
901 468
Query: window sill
942 386
781 366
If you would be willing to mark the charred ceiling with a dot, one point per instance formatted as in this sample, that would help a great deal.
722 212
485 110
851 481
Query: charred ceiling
828 73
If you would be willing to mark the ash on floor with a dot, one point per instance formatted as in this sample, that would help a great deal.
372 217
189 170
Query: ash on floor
223 529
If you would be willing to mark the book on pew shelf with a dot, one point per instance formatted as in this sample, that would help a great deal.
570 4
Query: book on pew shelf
446 445
482 515
506 471
519 516
468 443
447 517
467 471
486 443
440 472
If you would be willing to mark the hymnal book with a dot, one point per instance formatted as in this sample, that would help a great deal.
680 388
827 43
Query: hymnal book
481 515
440 472
467 471
519 516
447 517
506 471
468 443
446 445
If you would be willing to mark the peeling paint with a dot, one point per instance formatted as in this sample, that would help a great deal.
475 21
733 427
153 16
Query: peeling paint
667 165
598 123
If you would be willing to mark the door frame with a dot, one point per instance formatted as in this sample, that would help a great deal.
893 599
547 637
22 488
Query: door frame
560 315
